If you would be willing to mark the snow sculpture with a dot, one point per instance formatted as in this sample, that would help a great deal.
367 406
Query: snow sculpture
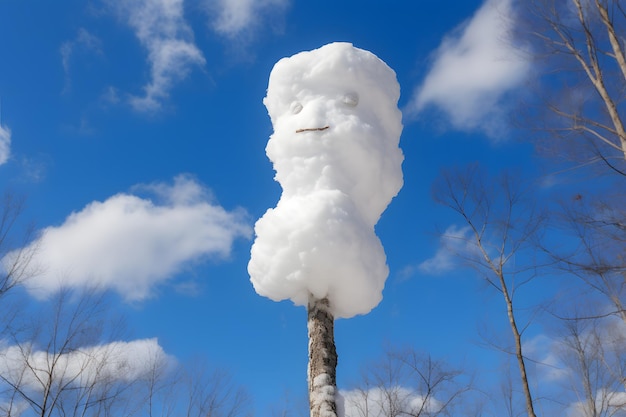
335 152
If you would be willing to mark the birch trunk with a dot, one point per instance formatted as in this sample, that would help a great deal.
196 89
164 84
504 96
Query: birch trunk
519 354
322 359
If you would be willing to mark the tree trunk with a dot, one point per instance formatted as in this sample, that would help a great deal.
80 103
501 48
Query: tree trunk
521 362
322 359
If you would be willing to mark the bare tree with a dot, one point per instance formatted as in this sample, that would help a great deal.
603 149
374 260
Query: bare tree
214 393
406 383
65 357
13 260
507 389
597 236
582 46
501 226
592 349
583 43
62 361
194 390
594 361
291 405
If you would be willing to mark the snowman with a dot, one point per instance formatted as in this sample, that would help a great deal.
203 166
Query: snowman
336 156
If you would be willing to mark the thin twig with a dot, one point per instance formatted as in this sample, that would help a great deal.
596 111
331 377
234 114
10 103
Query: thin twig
312 129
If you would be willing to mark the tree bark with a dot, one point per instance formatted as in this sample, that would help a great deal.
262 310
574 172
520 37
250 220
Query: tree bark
322 359
521 362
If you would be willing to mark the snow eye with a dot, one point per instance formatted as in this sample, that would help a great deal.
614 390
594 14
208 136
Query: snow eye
296 107
350 99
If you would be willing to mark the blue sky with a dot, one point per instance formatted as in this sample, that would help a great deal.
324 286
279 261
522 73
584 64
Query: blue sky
137 133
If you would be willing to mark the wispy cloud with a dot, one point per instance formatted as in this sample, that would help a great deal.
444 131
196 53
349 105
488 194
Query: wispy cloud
131 244
33 169
455 242
5 143
232 18
472 70
84 41
162 30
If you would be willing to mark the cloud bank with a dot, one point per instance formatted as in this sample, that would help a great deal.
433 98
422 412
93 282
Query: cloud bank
472 70
5 144
131 244
162 30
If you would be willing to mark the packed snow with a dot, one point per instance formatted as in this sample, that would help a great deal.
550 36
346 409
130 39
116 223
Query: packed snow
323 395
335 151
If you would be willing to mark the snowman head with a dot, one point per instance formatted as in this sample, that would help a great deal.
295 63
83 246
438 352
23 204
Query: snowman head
315 91
336 124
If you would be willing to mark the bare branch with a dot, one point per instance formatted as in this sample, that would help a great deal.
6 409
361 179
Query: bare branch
502 224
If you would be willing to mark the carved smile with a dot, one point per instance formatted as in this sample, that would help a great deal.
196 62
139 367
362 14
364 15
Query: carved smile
312 129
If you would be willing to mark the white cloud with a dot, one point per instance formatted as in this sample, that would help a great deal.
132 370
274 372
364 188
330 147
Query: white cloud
84 367
161 28
231 18
384 401
473 68
131 244
5 144
454 242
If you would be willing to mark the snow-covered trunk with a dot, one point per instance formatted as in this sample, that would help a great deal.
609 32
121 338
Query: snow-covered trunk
322 359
